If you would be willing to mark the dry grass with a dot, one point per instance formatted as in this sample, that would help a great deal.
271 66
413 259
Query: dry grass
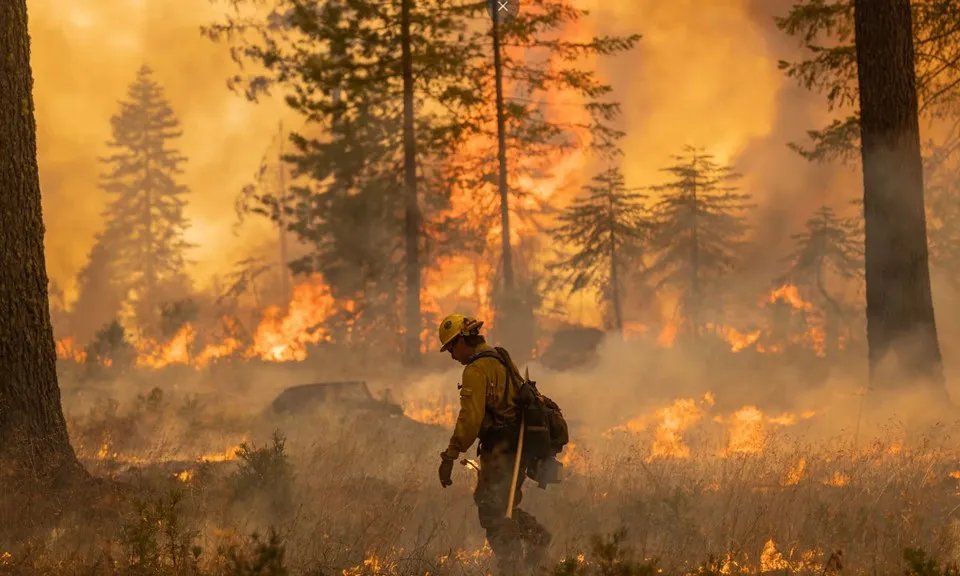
347 494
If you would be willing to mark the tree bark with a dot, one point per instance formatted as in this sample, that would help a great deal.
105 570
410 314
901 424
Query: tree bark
695 254
412 204
282 224
502 159
33 433
901 328
614 273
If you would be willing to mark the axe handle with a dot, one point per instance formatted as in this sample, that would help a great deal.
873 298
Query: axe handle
516 471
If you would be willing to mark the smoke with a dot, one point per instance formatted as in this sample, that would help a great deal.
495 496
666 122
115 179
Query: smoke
85 54
703 74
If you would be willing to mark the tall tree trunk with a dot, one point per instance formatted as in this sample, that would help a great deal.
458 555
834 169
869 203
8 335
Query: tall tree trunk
833 313
695 257
148 298
614 273
282 224
412 224
502 159
900 318
33 431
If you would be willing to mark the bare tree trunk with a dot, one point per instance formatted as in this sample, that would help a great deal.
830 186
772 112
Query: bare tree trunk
33 433
502 160
833 314
412 224
900 318
282 225
148 300
614 273
695 257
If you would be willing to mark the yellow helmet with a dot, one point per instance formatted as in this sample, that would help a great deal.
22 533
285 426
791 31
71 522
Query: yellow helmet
456 325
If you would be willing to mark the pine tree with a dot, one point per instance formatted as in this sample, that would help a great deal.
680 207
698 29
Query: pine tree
354 98
826 250
605 230
545 78
554 104
698 233
826 30
145 215
386 91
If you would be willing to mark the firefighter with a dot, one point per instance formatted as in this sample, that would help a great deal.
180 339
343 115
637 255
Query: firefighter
488 413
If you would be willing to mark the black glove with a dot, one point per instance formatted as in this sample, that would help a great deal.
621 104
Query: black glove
446 469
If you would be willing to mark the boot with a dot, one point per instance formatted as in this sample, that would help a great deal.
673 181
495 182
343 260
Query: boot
508 549
537 545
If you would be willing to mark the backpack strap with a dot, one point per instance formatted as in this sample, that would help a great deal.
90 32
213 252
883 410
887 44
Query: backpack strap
500 355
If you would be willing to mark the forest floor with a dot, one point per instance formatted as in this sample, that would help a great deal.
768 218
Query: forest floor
691 484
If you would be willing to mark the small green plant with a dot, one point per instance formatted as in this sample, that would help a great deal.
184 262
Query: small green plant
259 558
152 402
919 564
156 542
109 349
264 471
712 567
609 557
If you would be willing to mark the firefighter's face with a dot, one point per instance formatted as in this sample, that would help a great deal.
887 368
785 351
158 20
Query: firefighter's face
460 351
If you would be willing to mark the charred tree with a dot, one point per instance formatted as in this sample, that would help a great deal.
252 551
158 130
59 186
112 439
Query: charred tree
33 432
900 318
412 202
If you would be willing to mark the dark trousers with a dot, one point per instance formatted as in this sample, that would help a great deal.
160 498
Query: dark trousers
506 535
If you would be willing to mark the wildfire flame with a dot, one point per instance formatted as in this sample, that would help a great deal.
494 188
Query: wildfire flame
758 339
107 452
572 458
282 337
433 411
66 350
746 428
286 334
796 473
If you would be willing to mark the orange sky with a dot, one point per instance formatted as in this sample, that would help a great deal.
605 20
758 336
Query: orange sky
705 74
85 53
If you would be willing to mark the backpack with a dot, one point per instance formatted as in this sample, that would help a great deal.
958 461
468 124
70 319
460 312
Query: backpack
545 429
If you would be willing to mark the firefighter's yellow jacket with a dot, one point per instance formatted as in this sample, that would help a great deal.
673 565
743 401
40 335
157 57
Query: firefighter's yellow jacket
485 393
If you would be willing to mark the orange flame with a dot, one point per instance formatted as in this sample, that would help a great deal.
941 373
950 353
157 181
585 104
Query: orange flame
67 350
791 295
432 411
796 473
176 351
282 337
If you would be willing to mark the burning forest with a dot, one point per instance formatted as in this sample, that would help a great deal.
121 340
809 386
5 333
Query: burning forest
287 242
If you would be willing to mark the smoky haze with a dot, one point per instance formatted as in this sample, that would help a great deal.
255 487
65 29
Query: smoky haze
85 54
704 74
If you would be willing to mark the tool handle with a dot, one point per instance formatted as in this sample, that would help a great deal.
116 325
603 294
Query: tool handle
516 471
